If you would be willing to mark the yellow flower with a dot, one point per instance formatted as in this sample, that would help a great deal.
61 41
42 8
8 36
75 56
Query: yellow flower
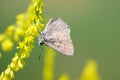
3 76
21 45
10 30
7 75
17 63
26 51
49 57
29 39
64 77
30 8
20 16
18 33
90 71
40 26
13 64
24 27
16 38
7 45
1 37
33 30
20 63
20 19
9 72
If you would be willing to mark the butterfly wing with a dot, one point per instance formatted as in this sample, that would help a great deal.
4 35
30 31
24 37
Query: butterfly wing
57 36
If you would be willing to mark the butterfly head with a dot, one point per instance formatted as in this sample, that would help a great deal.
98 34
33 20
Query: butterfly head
41 39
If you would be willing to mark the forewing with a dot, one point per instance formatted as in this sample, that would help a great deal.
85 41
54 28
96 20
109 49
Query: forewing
57 36
48 25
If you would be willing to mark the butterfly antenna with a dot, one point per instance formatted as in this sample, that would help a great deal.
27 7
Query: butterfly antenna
41 50
39 55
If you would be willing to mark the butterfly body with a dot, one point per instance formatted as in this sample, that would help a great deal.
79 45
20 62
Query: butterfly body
57 35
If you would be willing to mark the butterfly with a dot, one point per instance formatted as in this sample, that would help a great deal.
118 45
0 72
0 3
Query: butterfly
57 35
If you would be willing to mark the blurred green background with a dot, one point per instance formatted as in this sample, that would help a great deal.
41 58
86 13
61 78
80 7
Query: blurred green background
95 31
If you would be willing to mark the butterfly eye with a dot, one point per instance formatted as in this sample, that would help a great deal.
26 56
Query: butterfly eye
41 39
41 43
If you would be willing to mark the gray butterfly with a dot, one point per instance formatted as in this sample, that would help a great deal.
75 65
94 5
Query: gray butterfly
57 35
